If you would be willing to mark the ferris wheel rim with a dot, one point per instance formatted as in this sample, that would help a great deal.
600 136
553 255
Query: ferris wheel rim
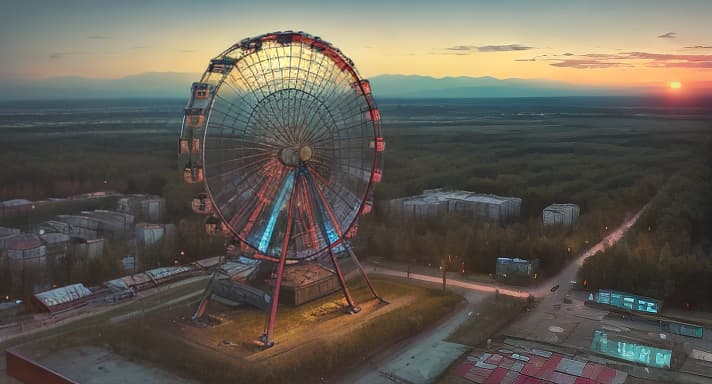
243 48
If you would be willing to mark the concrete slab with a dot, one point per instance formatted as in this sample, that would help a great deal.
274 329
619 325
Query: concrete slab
93 365
427 363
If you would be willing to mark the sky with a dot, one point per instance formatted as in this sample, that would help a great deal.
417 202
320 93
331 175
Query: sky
597 42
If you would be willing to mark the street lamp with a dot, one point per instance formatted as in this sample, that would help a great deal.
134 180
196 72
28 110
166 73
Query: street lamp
444 264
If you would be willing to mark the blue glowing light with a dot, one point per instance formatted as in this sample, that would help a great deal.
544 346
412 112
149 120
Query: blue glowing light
286 188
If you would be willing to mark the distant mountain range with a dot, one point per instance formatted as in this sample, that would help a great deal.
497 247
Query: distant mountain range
144 85
176 85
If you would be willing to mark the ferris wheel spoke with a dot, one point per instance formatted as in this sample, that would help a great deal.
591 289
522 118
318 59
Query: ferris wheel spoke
255 206
283 96
319 181
245 168
330 226
242 186
247 140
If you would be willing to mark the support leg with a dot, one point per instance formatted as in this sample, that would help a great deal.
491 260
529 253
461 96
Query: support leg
353 308
267 337
363 273
203 305
326 209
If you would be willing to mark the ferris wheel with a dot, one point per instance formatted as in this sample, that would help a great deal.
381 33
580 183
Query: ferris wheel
285 137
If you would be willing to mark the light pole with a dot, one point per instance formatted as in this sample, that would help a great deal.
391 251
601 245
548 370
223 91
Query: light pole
444 264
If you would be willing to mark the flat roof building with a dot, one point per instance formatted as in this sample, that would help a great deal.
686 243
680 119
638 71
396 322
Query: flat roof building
561 214
436 202
64 297
91 225
143 207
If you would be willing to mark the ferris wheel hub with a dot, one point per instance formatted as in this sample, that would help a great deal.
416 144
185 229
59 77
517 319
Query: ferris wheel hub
293 156
305 153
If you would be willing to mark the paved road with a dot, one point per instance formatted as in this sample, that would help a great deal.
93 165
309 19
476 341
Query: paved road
423 358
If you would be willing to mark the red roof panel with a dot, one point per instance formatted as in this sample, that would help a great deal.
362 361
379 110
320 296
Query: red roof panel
496 376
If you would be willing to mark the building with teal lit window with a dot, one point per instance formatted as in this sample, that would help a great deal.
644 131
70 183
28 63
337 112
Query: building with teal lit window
628 301
622 348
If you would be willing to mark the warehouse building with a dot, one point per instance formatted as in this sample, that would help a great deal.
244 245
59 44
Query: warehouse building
437 202
561 214
63 298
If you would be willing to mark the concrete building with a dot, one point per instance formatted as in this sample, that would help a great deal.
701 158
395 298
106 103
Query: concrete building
56 244
143 207
306 282
7 231
148 234
561 214
85 250
6 234
53 226
25 254
436 202
149 238
512 268
92 225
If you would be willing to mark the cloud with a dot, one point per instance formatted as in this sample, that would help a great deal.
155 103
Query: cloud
699 47
59 55
535 58
587 64
99 37
139 47
608 56
666 56
625 59
681 64
504 48
669 35
466 49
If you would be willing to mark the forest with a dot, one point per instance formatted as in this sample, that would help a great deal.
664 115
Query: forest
668 253
610 164
609 157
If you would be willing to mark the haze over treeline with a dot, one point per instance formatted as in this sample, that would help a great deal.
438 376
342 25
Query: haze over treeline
174 85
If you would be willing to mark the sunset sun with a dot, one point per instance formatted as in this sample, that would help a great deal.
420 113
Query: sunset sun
675 85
